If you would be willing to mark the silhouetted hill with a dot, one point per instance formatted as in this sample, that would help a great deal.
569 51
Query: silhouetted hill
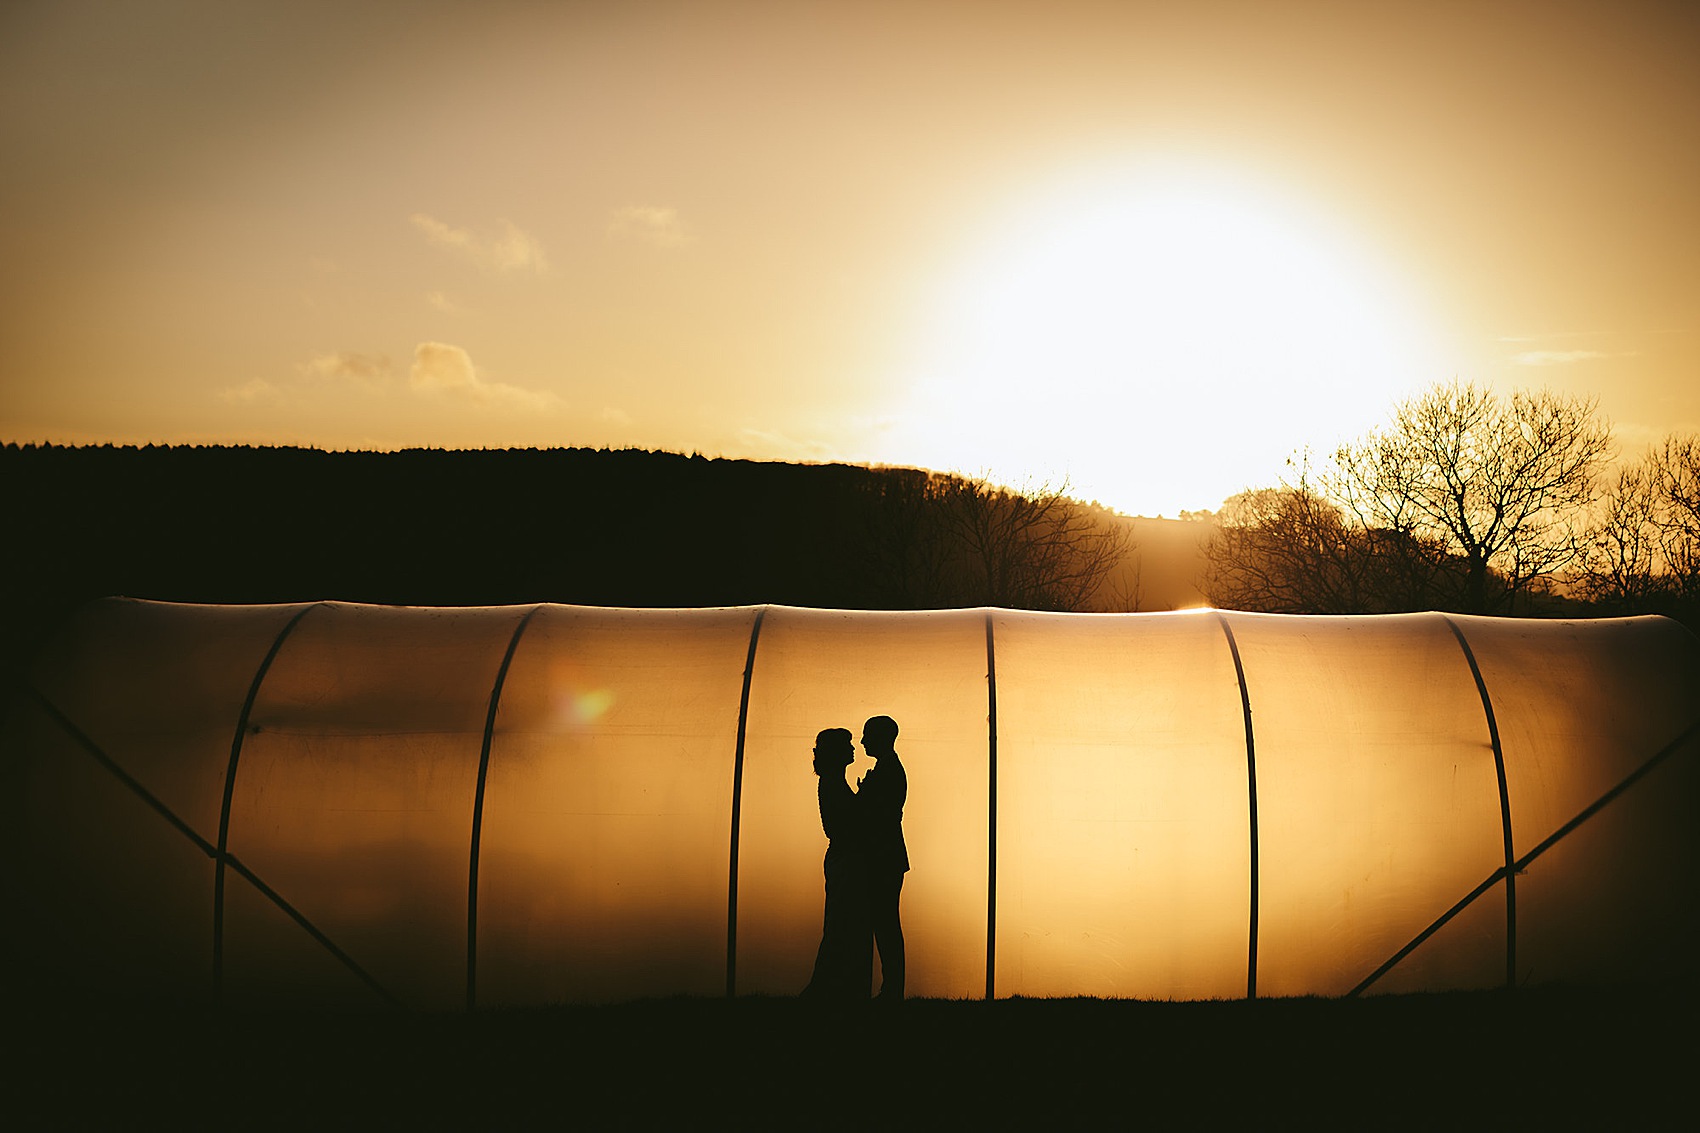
435 527
1166 568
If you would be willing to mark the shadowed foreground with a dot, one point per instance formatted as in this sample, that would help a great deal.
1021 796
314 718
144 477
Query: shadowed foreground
1544 1059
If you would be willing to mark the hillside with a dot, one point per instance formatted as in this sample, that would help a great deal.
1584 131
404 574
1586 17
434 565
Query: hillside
1168 561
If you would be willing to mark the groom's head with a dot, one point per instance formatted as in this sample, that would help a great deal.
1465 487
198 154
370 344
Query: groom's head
879 736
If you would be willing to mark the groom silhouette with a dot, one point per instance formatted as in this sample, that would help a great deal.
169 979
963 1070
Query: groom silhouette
879 803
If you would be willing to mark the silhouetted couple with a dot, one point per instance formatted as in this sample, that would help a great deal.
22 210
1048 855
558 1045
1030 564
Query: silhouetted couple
865 863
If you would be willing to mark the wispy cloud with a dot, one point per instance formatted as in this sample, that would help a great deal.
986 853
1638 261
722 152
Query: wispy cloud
345 368
251 392
1551 336
508 249
1556 357
649 224
783 446
336 371
438 301
439 372
440 369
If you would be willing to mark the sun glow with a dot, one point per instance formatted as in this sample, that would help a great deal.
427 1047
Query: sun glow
1163 339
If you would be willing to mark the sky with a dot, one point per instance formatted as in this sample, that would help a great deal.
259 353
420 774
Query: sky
1151 248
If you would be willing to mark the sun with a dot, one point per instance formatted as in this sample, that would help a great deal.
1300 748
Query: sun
1162 337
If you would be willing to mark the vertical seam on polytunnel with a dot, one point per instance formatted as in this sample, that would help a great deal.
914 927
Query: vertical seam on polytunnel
222 854
1504 804
737 805
991 811
478 810
1251 797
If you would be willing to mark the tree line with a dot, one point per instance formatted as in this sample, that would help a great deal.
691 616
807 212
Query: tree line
597 527
1471 502
1464 501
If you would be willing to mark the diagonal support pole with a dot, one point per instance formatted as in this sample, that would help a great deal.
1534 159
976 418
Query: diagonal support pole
1524 862
94 751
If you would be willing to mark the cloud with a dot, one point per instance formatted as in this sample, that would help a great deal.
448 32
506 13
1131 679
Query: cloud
441 234
1557 357
440 372
344 368
250 392
438 301
649 224
614 415
782 446
440 369
439 366
509 249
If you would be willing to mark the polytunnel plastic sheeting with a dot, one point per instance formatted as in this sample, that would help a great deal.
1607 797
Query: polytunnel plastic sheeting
819 669
607 825
1378 799
353 795
1124 849
1581 707
161 687
332 803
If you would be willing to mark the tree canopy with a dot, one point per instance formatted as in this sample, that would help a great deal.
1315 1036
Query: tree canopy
1464 500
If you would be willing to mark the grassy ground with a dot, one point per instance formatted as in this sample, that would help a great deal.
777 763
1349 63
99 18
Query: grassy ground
1544 1059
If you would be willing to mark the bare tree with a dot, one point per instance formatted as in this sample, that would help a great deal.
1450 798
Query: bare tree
1034 549
1644 545
1623 564
1675 470
1127 588
941 540
1290 550
1501 485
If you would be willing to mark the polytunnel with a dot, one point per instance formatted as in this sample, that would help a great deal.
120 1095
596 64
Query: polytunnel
330 803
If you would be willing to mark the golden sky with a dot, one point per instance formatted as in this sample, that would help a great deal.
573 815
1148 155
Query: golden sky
1154 246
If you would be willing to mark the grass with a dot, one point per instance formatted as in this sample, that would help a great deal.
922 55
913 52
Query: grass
1564 1058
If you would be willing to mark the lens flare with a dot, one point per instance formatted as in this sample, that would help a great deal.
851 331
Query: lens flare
578 698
